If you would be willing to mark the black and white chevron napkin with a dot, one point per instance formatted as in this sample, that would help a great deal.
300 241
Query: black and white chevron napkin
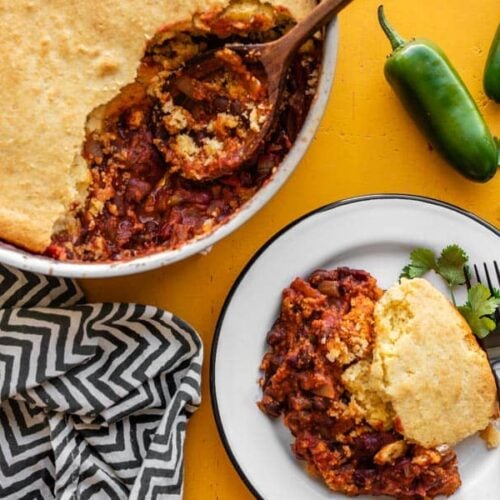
94 398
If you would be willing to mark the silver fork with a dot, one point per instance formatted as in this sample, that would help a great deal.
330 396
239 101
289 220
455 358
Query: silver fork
491 343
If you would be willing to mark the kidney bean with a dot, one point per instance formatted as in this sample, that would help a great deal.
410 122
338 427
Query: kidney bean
362 476
137 190
369 444
221 104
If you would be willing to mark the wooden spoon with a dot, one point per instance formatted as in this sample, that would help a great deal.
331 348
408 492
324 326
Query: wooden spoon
273 60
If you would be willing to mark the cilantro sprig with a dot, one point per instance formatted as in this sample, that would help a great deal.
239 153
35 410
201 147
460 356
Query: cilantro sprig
479 308
452 266
422 260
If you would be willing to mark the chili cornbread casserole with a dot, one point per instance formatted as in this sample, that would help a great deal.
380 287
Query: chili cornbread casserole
101 158
375 386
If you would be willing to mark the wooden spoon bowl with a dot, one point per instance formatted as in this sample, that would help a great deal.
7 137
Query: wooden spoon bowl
255 71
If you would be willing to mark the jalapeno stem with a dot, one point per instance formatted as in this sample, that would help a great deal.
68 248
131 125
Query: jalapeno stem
392 35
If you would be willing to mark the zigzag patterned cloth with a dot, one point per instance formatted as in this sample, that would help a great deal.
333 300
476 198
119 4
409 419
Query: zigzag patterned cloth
94 398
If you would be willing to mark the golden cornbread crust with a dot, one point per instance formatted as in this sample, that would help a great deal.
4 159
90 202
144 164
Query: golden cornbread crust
60 61
429 366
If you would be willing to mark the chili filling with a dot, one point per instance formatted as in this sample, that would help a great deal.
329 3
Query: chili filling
159 178
325 326
212 111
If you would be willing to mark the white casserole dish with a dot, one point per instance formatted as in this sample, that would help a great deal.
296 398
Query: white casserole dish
30 262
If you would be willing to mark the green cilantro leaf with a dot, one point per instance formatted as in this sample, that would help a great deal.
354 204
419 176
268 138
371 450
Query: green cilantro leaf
422 260
480 326
479 306
452 266
480 299
451 263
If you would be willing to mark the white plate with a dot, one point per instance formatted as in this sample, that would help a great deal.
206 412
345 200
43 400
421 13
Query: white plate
374 233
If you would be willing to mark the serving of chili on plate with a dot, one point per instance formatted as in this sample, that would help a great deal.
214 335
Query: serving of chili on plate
326 325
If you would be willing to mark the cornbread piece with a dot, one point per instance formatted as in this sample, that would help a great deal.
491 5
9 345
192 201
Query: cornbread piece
63 59
326 327
491 436
428 365
377 410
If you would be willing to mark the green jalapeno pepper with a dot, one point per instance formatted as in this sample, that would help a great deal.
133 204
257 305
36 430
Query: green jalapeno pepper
491 81
435 95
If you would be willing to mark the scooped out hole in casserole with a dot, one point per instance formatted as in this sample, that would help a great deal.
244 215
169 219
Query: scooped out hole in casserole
164 155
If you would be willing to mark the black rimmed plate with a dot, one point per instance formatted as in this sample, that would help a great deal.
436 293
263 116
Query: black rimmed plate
375 233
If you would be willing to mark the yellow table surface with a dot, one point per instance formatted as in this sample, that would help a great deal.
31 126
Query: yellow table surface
366 144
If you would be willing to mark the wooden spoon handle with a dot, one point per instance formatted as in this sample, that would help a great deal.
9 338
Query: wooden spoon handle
322 14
